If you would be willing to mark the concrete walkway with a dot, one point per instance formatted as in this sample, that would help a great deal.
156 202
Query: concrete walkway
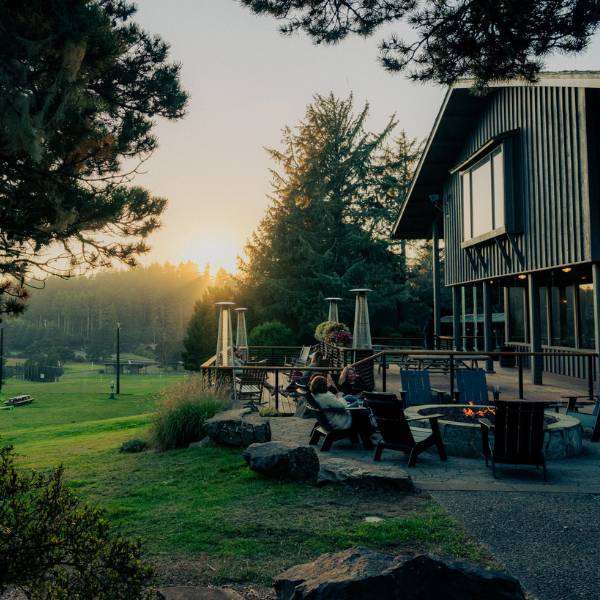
546 534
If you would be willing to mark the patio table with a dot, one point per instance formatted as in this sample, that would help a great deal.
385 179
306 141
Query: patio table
441 363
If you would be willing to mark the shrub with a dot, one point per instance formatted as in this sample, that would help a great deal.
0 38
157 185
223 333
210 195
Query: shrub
134 445
271 333
52 545
325 329
186 407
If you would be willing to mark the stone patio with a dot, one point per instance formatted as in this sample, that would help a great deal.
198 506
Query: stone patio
545 533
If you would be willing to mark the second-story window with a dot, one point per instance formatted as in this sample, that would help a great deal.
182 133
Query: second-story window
483 196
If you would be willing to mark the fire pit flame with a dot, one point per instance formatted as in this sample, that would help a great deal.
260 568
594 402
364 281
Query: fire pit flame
487 411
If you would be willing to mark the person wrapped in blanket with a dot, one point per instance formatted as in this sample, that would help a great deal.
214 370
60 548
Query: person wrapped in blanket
336 410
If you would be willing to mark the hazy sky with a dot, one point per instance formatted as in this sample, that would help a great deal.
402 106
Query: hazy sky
246 82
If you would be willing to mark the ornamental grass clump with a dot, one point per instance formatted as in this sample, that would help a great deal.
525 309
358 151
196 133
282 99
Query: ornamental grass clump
185 409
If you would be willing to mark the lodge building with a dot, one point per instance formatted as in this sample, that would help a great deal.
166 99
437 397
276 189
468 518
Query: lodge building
509 181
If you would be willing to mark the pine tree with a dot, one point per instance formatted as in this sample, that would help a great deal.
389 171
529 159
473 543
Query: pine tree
316 238
489 40
80 88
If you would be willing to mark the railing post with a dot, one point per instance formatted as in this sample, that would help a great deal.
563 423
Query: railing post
384 376
277 390
591 376
451 361
520 365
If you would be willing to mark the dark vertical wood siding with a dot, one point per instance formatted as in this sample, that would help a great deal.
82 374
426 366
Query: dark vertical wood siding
550 186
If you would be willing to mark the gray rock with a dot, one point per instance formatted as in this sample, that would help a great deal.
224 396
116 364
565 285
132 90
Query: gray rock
283 460
185 592
363 574
356 474
238 428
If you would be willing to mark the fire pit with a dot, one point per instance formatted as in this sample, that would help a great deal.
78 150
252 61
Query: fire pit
461 431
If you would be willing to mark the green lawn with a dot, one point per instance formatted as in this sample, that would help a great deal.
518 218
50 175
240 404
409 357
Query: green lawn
201 512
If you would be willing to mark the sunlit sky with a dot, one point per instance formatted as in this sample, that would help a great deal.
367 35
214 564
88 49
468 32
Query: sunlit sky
246 83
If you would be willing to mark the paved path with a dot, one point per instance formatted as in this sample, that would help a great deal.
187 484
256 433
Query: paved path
547 534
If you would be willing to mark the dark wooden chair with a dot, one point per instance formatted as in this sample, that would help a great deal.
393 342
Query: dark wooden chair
472 388
396 432
249 386
518 430
323 429
416 389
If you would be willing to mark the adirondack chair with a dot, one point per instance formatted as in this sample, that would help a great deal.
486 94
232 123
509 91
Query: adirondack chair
472 388
396 432
322 428
518 435
249 386
416 389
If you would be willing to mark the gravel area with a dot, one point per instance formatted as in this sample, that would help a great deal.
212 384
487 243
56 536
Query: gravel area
548 541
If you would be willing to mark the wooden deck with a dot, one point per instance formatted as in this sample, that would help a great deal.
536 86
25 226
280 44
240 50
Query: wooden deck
506 379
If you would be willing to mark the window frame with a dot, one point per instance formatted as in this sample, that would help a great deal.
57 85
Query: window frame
467 172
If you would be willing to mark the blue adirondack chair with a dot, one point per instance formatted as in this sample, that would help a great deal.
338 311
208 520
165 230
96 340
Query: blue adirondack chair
416 389
472 388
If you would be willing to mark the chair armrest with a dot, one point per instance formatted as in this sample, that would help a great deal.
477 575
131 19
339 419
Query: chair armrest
424 418
486 424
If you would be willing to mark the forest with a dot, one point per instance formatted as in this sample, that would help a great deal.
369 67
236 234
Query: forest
77 317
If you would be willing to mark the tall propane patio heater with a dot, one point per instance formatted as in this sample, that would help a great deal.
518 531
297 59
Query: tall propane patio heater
241 335
224 355
361 335
333 309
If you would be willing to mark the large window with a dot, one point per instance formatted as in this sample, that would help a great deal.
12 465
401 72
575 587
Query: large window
562 306
517 315
586 316
483 196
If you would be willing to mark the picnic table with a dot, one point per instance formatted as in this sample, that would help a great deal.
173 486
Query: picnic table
441 363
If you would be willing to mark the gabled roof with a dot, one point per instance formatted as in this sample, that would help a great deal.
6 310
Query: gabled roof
458 114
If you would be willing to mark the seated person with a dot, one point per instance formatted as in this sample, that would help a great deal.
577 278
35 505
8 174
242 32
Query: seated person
350 385
336 410
307 374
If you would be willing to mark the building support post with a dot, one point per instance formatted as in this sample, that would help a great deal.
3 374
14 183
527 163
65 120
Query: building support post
596 284
435 236
487 325
475 319
463 316
535 329
456 312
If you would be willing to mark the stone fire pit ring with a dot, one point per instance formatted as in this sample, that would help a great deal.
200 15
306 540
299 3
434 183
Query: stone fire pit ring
564 438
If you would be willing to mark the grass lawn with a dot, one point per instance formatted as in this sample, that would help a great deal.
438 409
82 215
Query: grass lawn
203 515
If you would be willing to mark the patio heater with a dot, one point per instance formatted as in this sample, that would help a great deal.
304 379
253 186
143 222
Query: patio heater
224 355
241 336
333 309
362 328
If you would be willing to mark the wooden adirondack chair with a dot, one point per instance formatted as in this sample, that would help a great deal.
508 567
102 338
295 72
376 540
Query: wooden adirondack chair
396 432
416 389
472 388
322 428
249 386
518 435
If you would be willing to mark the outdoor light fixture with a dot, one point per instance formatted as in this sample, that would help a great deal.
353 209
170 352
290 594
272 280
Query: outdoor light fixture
566 269
333 309
522 276
241 336
361 335
224 355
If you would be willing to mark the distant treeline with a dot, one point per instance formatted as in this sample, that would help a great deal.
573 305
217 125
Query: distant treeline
77 318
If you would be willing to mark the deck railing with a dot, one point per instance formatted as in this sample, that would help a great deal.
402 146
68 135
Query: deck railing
454 356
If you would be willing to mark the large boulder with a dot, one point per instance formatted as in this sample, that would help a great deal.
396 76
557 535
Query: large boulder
283 460
238 428
358 475
363 574
187 592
